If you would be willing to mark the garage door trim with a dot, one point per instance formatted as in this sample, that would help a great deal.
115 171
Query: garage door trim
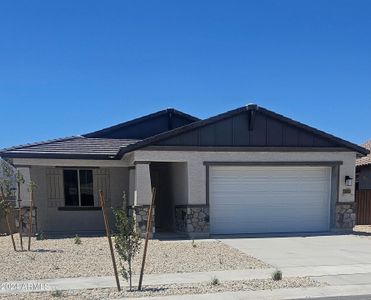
334 167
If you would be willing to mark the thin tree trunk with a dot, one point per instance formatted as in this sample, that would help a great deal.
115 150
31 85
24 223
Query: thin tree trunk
130 283
20 216
30 221
10 232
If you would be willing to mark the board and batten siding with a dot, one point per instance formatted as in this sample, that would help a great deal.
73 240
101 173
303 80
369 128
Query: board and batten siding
101 182
54 187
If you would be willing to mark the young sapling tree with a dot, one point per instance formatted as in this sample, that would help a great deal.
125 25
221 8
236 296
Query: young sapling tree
20 180
6 190
31 187
127 242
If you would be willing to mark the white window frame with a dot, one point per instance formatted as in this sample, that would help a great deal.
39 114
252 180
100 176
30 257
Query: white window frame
79 187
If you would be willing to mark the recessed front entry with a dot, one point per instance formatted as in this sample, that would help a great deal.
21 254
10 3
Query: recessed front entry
269 199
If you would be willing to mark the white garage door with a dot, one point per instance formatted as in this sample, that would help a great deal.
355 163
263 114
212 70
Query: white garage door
245 199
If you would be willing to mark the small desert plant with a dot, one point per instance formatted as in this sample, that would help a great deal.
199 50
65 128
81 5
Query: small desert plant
32 257
277 275
40 236
77 240
127 243
57 294
214 281
5 207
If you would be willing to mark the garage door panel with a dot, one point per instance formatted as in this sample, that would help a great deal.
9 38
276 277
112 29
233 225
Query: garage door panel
269 199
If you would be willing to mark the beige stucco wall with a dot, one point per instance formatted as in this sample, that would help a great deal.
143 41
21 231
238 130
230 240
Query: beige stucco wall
24 193
50 219
131 186
197 170
142 192
179 183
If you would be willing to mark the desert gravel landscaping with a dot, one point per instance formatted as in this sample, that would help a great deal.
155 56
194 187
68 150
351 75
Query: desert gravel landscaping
174 289
60 258
362 229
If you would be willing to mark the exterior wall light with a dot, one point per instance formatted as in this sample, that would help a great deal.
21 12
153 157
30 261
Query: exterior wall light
348 181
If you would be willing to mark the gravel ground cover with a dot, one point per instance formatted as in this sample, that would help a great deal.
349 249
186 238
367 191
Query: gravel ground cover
362 229
165 290
59 258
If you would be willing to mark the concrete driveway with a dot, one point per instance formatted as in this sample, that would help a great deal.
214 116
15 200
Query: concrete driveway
307 251
334 259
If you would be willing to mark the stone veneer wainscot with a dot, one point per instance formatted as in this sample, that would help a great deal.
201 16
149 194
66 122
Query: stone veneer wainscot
192 219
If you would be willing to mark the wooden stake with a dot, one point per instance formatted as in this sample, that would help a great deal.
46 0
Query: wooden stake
20 215
108 232
30 220
148 230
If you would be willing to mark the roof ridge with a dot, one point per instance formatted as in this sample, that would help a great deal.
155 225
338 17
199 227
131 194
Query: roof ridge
139 119
102 138
44 142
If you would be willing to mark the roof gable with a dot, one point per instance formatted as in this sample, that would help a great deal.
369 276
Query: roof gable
146 126
249 126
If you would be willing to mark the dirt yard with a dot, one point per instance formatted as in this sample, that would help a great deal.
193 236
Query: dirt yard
59 258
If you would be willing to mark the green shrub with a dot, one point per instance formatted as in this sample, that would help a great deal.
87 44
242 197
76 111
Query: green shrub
40 236
77 240
277 275
214 281
57 294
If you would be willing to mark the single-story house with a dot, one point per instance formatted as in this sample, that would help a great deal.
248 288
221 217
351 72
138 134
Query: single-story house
248 170
363 187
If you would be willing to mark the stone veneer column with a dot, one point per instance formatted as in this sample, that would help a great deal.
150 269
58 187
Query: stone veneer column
345 215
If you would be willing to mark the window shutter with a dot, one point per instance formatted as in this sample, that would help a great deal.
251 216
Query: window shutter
101 182
54 186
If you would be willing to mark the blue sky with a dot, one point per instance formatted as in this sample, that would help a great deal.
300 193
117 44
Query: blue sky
70 67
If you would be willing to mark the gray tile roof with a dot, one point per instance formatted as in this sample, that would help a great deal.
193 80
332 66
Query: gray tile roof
70 146
366 160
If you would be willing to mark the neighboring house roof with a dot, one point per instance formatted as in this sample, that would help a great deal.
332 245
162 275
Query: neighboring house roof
70 147
366 160
217 131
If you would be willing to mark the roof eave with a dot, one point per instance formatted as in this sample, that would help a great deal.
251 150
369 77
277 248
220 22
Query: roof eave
59 156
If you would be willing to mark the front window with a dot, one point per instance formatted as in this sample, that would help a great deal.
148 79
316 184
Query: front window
78 187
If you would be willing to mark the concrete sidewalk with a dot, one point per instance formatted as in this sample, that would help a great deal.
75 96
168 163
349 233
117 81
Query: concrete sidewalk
109 281
334 275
